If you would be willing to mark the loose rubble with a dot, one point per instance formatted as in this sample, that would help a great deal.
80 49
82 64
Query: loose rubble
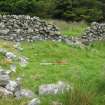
13 88
8 86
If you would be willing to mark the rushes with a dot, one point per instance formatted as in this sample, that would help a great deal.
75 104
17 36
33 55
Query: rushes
78 97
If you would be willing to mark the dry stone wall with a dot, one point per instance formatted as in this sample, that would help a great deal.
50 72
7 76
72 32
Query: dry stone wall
23 27
93 33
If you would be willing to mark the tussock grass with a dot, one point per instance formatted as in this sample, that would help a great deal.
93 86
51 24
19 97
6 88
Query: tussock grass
78 97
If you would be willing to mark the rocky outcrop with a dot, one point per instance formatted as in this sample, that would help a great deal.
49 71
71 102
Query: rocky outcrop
22 27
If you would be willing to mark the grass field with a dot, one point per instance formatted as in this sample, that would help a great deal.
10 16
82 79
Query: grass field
83 68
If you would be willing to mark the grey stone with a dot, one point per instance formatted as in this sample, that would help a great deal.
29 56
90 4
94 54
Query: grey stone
23 61
14 27
5 92
35 101
10 55
4 78
3 51
24 93
12 86
4 31
59 87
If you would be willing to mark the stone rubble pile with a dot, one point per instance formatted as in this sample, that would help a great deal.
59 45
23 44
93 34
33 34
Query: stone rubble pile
13 88
23 27
93 33
10 87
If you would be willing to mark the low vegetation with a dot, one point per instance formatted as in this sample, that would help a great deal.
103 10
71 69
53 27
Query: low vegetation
82 68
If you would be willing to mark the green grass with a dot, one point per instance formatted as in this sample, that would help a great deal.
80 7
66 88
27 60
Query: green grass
70 28
83 68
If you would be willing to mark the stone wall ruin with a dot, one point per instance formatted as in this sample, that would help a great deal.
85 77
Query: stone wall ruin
26 28
95 32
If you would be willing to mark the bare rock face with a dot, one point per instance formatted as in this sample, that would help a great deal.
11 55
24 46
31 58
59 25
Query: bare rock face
23 27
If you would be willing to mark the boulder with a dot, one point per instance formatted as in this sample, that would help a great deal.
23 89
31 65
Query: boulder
24 93
59 87
12 86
